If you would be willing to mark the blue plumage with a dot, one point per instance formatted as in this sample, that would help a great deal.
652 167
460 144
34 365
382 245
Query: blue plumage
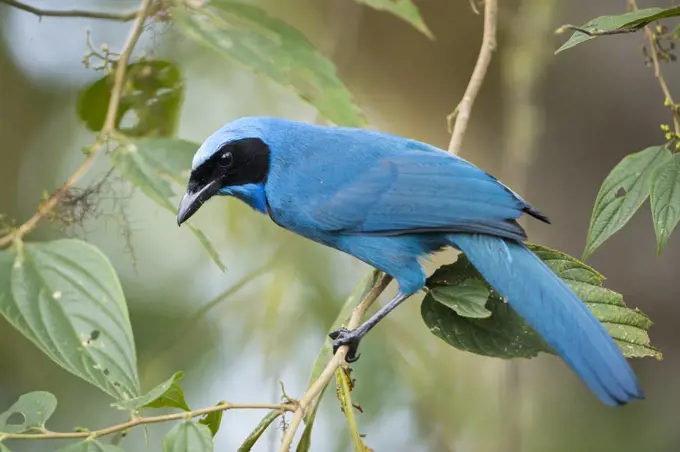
555 312
391 201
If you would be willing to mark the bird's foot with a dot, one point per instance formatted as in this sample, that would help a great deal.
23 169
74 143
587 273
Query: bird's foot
345 337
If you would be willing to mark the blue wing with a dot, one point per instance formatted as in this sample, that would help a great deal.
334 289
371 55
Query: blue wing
419 190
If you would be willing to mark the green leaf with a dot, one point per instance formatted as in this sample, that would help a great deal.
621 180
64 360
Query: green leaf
188 436
213 420
66 298
665 199
90 445
170 157
168 394
30 412
467 298
361 290
271 47
633 20
621 195
153 92
259 430
150 164
505 334
404 9
4 448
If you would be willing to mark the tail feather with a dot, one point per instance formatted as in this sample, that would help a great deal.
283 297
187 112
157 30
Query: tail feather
547 304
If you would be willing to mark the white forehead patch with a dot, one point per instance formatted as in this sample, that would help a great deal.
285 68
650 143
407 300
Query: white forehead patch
248 127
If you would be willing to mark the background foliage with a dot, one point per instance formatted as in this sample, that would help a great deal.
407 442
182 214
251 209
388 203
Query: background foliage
65 296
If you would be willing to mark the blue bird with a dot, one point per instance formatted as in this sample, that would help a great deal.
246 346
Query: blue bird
390 201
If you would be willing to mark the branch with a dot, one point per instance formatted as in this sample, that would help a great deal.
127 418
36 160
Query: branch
104 134
463 110
121 17
465 106
337 361
225 406
649 35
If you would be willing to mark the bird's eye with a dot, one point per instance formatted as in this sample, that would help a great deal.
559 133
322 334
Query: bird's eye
226 160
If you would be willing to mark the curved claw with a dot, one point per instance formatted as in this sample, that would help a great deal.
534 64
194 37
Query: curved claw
342 337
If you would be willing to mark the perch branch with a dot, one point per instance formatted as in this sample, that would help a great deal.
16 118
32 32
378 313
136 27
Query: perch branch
337 361
104 134
224 406
464 108
120 17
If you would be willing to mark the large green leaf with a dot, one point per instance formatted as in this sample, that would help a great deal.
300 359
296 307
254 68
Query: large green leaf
621 195
153 92
168 394
665 200
633 20
30 412
467 298
150 164
360 292
90 445
259 430
404 9
188 436
66 298
505 334
271 47
171 157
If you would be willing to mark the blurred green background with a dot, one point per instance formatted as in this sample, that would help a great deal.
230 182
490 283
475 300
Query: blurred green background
550 127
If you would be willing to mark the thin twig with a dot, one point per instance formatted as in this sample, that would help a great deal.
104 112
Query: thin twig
488 46
649 35
225 406
121 17
329 371
104 134
121 68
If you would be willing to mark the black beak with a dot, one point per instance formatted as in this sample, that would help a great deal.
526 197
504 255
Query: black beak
193 200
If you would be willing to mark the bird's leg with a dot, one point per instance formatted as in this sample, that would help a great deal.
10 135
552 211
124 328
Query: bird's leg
343 336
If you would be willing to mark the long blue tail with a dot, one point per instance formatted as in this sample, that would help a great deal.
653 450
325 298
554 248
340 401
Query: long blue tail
555 312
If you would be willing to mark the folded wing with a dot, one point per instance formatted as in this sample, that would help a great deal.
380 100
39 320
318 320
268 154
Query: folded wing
420 191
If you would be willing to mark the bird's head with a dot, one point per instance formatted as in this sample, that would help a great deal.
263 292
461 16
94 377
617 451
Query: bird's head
234 156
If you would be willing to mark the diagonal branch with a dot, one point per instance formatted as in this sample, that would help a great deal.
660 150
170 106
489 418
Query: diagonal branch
337 361
121 17
465 106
